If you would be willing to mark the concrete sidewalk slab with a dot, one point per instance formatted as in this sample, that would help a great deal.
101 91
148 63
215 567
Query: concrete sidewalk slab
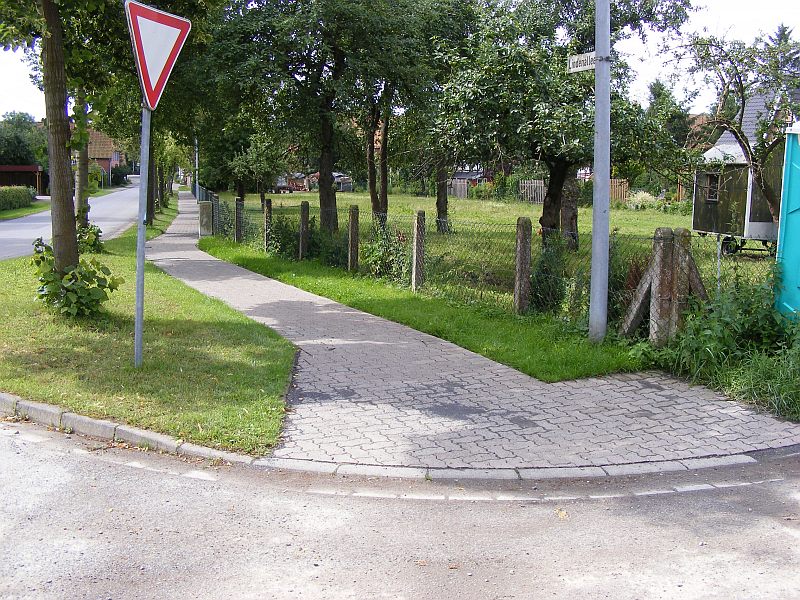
367 391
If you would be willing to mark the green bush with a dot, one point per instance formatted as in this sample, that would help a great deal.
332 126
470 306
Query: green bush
89 239
329 248
387 254
119 174
80 291
284 238
548 280
16 196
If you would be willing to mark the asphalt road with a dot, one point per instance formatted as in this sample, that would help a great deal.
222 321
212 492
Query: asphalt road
113 213
79 519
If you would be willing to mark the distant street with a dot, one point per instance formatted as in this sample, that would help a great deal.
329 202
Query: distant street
112 213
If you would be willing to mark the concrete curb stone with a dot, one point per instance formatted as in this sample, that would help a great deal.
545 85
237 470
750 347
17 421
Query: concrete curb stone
644 468
87 426
506 474
146 439
195 451
561 473
294 464
380 471
8 404
44 414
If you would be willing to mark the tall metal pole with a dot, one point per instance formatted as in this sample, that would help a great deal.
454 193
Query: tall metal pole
598 293
144 171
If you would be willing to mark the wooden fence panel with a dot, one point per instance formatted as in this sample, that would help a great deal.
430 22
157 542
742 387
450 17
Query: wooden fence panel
532 190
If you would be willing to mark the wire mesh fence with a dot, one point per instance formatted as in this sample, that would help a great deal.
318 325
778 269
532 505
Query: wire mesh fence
473 262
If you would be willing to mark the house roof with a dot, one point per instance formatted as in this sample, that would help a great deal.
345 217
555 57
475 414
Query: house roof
100 145
727 148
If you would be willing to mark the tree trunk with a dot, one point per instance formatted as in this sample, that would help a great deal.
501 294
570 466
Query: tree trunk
551 209
327 194
65 243
372 178
151 188
442 221
384 155
82 172
569 210
769 193
160 175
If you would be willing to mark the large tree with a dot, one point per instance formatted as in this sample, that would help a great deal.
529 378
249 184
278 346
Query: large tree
512 97
766 72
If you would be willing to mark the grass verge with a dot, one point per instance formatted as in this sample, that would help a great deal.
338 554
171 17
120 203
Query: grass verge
536 345
36 206
210 375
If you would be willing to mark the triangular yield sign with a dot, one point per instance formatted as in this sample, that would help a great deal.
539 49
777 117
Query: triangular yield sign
158 38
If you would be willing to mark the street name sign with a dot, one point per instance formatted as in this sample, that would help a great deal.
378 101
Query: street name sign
581 62
158 38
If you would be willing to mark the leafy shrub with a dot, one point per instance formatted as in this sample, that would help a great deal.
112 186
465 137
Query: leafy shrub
119 174
387 254
548 280
284 239
89 239
16 196
78 292
330 248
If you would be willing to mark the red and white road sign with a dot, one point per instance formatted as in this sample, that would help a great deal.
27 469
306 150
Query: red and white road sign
158 38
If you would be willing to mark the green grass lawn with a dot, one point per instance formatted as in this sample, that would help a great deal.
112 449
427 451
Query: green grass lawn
537 345
36 206
640 223
210 375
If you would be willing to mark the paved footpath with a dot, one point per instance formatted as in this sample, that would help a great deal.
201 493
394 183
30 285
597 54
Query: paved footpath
367 391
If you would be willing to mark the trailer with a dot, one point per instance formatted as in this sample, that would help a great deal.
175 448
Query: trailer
726 200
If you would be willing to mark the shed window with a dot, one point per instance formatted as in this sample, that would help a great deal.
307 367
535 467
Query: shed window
712 183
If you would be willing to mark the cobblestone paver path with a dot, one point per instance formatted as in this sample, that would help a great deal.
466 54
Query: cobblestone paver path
369 391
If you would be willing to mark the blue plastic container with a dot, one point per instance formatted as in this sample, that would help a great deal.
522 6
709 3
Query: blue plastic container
788 300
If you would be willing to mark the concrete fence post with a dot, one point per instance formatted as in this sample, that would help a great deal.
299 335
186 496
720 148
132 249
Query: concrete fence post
522 270
661 295
681 257
238 220
214 213
352 239
267 223
418 252
303 246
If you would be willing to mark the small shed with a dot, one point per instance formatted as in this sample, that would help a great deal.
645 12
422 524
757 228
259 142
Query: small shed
726 199
27 175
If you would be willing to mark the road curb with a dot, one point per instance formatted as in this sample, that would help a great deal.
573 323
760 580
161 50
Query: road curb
58 418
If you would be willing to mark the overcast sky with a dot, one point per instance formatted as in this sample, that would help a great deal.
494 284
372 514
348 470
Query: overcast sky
736 19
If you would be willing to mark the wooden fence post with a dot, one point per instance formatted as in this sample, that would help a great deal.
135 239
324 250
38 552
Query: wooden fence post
238 219
522 270
352 239
267 223
662 287
303 246
418 252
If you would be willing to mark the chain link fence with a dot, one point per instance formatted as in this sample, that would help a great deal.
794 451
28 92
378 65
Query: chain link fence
475 263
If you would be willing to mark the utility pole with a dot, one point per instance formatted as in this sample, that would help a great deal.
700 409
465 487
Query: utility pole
598 292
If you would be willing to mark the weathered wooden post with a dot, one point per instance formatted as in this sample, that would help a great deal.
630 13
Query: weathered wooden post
418 252
267 223
662 288
352 239
681 255
303 246
238 219
522 270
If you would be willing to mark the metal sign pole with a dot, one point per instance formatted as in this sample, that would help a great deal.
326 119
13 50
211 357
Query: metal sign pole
144 171
598 293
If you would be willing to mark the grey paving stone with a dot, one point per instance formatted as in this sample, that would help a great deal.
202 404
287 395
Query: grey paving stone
145 439
375 392
86 426
187 449
8 403
44 414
